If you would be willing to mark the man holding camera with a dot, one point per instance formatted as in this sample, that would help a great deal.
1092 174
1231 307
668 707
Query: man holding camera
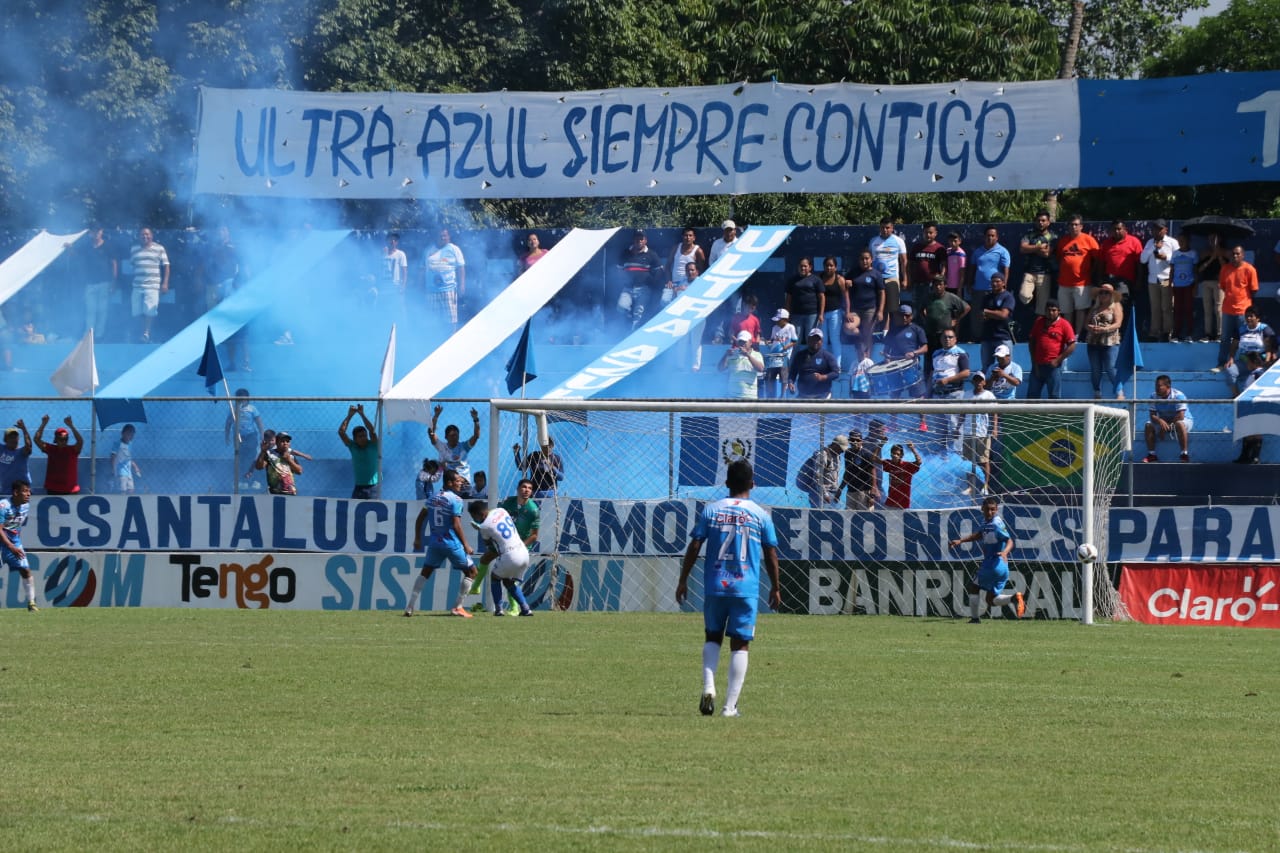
744 364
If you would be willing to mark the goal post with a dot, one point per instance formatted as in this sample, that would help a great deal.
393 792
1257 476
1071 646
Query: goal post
637 472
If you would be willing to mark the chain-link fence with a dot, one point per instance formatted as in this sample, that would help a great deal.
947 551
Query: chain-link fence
189 445
194 445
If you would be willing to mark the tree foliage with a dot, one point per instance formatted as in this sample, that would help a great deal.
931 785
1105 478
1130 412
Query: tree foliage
1242 38
1118 36
824 41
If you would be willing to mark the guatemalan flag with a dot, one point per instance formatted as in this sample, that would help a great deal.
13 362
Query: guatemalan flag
708 444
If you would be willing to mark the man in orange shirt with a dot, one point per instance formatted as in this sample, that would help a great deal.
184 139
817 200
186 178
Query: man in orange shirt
1078 262
1238 281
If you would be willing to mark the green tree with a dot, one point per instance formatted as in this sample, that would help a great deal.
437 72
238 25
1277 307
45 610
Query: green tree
1117 36
1242 38
906 41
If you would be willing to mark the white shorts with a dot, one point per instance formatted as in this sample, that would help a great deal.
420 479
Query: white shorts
1072 299
145 301
510 566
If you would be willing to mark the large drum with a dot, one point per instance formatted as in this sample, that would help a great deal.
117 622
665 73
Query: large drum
893 377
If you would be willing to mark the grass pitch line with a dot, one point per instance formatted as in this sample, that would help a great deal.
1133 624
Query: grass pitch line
769 835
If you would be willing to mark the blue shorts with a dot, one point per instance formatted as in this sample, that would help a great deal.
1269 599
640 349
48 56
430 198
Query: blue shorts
11 559
438 554
994 577
736 617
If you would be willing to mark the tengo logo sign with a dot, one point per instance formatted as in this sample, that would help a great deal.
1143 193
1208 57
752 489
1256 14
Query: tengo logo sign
1247 597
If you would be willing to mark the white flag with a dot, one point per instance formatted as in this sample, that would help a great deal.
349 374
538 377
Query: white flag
388 365
78 373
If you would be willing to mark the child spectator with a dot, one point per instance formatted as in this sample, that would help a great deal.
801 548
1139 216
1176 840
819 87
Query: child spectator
978 431
246 426
425 485
746 320
956 262
123 468
1184 291
777 353
900 476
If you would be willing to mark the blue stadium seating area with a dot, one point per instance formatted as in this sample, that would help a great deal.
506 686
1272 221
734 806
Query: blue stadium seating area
341 358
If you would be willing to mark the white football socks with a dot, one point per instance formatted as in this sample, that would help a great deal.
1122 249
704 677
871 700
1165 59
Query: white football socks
464 589
737 674
30 585
416 595
710 660
1002 599
974 601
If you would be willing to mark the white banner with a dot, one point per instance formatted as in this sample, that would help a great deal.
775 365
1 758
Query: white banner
277 524
763 137
410 399
383 582
28 262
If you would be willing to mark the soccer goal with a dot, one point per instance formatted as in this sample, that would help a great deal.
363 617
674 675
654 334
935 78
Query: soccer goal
637 472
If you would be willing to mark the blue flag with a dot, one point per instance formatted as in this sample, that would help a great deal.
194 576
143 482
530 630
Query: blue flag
118 411
709 443
210 367
520 367
1129 358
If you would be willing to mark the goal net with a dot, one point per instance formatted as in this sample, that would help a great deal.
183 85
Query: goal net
636 474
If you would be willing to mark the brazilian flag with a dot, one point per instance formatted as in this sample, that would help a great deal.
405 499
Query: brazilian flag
1048 452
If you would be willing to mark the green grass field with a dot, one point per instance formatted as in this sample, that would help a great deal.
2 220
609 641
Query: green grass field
166 729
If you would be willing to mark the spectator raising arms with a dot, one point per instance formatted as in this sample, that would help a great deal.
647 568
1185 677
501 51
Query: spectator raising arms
363 447
61 476
14 458
900 474
543 467
452 452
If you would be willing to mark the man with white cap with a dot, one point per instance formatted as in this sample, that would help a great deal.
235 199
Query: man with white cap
744 365
1004 375
777 352
718 246
812 369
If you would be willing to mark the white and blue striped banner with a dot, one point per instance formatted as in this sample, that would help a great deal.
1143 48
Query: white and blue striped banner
502 317
679 317
1258 407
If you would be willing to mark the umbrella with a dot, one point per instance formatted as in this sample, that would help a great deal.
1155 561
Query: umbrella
1225 226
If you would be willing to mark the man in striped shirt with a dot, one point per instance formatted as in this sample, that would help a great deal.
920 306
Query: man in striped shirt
150 279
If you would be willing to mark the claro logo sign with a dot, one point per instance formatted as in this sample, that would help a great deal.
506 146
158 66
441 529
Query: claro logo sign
1203 595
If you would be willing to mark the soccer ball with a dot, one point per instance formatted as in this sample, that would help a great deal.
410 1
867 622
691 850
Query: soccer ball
1087 553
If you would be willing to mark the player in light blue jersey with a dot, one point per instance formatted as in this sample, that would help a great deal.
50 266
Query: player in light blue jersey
740 541
446 541
993 574
14 512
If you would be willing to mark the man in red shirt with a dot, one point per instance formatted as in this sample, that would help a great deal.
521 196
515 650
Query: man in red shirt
1052 341
61 476
1078 262
1120 253
1238 281
900 475
928 260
